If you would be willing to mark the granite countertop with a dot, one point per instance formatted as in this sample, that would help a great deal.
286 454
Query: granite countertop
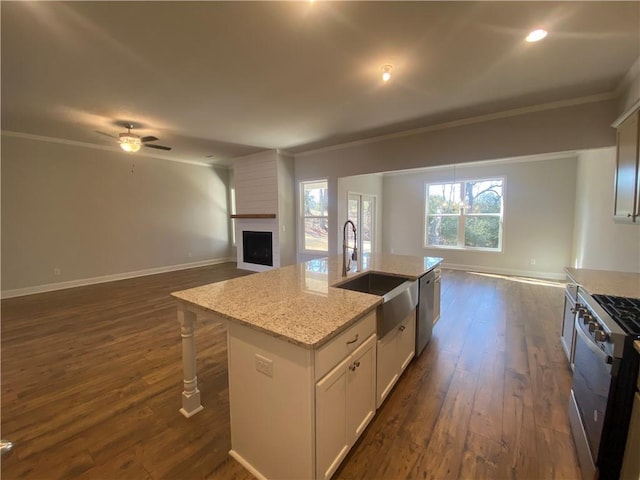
299 303
605 282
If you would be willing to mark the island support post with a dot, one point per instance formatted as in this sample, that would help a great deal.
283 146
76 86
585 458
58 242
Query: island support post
191 395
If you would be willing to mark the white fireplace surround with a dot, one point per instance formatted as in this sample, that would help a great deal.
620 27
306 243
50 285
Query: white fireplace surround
257 225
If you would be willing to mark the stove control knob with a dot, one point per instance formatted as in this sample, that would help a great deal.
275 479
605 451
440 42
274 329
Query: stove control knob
579 309
593 326
600 336
587 319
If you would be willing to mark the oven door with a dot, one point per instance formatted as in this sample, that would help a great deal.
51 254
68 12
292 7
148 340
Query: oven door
591 384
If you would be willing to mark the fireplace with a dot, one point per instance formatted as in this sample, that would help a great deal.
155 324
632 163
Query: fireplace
257 248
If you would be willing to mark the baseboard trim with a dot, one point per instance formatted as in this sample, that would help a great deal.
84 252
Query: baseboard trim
50 287
506 271
240 459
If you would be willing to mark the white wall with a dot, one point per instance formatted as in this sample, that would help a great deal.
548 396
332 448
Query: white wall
538 216
286 210
83 211
599 242
511 134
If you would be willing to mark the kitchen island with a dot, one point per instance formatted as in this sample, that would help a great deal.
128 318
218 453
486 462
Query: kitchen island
297 347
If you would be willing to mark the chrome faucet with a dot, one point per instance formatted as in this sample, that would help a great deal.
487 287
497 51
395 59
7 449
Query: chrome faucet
346 263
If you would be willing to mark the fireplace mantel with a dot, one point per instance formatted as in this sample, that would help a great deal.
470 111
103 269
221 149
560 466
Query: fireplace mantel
253 215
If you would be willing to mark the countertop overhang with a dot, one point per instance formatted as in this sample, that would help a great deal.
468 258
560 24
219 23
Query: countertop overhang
299 303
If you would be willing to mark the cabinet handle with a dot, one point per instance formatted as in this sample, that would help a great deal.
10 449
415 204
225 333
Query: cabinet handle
354 340
352 367
401 328
357 363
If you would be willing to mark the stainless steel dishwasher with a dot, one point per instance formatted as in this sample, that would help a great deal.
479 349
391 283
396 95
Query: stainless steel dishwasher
426 309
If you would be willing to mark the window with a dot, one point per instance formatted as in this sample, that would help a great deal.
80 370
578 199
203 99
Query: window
315 216
361 210
465 214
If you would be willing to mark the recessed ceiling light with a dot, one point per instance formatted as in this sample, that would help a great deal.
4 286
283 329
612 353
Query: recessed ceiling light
386 72
536 35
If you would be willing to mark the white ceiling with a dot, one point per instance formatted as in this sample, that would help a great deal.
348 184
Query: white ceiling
226 79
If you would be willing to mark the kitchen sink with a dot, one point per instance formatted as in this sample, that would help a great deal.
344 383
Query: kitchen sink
399 297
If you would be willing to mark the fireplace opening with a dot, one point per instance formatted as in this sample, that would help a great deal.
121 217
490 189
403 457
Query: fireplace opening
257 247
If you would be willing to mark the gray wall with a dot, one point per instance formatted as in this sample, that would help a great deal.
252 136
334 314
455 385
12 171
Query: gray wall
599 242
84 212
568 128
286 210
538 216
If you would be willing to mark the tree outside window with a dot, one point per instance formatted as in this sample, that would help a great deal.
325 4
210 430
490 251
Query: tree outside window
465 214
315 215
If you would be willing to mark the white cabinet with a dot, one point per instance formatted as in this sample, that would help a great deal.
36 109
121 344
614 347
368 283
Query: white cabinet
631 463
627 197
395 351
296 412
345 404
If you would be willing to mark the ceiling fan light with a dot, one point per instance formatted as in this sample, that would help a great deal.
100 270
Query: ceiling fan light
386 72
536 35
130 142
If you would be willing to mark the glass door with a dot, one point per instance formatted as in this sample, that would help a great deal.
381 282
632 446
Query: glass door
361 210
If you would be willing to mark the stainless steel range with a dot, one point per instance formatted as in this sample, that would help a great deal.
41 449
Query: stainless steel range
605 369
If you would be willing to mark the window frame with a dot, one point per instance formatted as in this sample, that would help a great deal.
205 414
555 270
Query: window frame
463 215
303 217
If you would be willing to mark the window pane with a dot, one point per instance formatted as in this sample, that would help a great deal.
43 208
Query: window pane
367 224
482 232
444 198
442 231
315 199
316 234
483 196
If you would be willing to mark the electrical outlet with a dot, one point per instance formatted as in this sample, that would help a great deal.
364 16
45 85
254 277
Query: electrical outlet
532 261
56 272
264 365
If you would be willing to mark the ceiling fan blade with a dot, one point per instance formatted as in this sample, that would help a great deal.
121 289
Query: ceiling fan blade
105 134
159 147
148 139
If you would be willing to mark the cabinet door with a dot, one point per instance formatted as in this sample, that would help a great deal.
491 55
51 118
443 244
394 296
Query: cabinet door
387 370
361 388
406 341
626 199
332 435
631 462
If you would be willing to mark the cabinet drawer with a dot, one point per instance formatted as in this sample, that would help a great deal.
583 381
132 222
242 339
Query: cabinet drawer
329 355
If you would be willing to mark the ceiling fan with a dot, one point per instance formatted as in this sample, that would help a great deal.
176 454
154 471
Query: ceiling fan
130 142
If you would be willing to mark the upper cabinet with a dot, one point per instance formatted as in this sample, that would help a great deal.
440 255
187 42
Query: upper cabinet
627 198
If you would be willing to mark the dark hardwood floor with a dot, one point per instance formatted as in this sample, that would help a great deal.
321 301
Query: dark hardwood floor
92 376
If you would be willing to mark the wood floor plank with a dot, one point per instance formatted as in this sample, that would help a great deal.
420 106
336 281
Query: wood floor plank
450 431
91 383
